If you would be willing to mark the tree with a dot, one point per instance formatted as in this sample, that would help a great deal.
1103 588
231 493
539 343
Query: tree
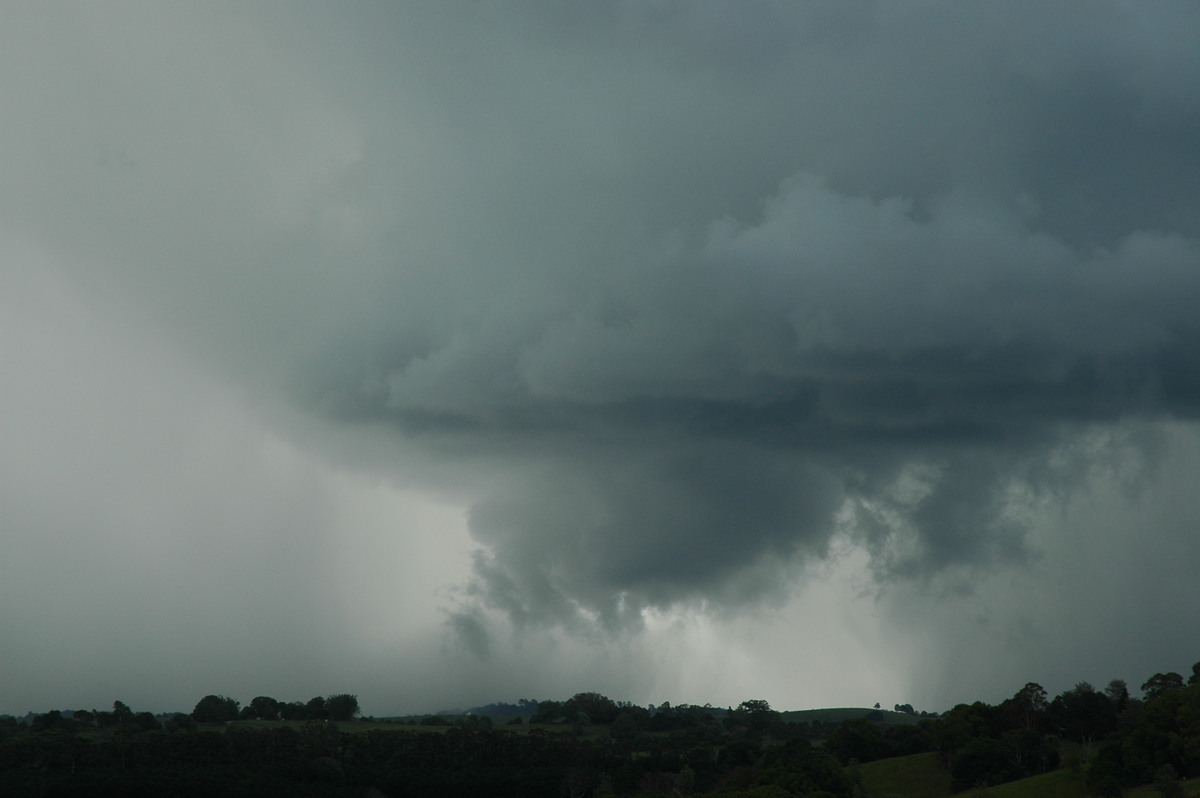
1160 683
1029 705
625 727
982 762
959 726
1195 677
1106 777
341 706
264 707
1167 782
598 708
51 720
215 709
293 710
908 738
145 721
122 714
547 712
1118 693
183 722
315 709
857 739
1167 732
797 768
754 705
755 713
1085 715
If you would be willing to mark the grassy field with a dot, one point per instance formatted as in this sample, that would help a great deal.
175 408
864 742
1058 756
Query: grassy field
1056 784
1064 784
839 714
916 776
1191 787
922 776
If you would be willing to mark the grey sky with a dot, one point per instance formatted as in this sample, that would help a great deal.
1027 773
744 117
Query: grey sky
829 352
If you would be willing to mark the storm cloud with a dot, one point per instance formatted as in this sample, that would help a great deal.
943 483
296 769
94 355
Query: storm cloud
678 303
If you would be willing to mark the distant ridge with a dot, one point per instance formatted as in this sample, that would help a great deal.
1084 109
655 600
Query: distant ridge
839 714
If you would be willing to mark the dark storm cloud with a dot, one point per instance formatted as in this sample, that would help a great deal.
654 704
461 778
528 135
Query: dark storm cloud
755 385
727 280
652 525
674 292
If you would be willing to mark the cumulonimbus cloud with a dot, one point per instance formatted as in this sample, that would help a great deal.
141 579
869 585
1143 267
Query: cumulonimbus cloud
842 366
673 290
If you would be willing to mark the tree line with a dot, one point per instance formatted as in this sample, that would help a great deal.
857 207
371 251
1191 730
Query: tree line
589 746
219 709
1117 741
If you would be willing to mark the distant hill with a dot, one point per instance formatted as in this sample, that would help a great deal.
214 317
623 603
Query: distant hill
839 714
524 706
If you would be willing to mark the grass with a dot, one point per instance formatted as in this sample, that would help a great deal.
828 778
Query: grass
916 776
1064 784
1191 787
922 776
839 714
1056 784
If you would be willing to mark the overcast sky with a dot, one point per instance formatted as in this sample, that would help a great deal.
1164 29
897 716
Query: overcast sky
824 352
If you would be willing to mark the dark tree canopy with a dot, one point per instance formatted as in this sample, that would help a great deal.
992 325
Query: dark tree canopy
857 740
1084 715
316 708
1160 683
1117 692
264 707
548 712
599 708
342 706
215 709
1028 706
121 712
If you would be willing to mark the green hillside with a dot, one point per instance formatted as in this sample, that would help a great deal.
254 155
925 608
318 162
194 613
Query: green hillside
1191 788
839 714
922 776
916 776
1056 784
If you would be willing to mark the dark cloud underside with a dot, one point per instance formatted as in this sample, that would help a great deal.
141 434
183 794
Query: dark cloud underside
707 281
